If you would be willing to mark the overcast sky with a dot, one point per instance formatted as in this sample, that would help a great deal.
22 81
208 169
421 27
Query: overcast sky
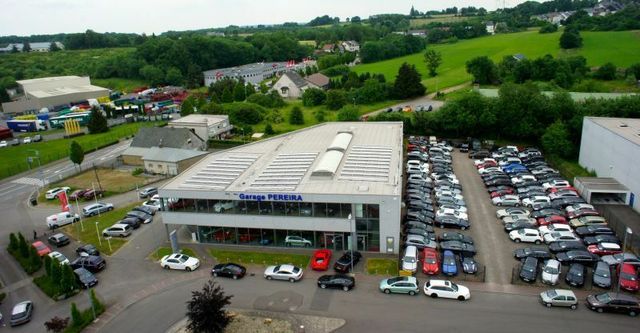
27 17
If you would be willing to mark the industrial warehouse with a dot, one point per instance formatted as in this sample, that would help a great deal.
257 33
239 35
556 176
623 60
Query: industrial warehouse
315 187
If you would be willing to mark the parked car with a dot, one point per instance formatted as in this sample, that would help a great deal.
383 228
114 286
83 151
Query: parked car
140 215
180 261
551 219
96 208
61 219
339 281
469 264
85 278
501 213
41 248
614 302
526 235
558 236
148 192
559 297
604 248
152 204
621 258
229 270
92 194
87 250
583 257
343 264
449 265
519 224
61 258
593 230
430 261
59 240
597 239
21 313
321 259
91 263
564 246
420 242
535 252
451 222
283 272
529 270
587 220
602 275
506 200
78 194
150 210
117 230
53 193
447 236
551 272
297 241
629 277
546 229
222 206
133 222
576 275
400 285
542 213
458 247
446 289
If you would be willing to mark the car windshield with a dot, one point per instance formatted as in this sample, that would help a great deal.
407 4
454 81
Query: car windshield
627 276
552 293
411 259
430 260
602 273
454 286
395 279
183 258
604 298
551 270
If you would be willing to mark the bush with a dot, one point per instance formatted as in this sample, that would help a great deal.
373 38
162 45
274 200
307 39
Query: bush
336 99
313 97
296 117
268 130
348 113
137 171
244 113
548 28
336 70
25 254
606 72
570 39
319 115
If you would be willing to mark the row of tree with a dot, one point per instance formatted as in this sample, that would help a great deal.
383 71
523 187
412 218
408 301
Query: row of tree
24 253
391 46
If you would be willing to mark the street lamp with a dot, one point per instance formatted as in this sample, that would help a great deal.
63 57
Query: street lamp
627 232
98 233
352 240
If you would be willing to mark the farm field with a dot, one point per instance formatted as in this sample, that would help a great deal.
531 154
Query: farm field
620 47
437 18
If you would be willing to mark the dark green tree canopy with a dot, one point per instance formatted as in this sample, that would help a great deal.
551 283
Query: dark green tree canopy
408 82
76 154
206 309
97 122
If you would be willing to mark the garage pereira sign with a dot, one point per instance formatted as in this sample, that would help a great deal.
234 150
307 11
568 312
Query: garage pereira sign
270 197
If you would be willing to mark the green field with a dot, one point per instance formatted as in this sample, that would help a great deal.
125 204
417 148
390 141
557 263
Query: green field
123 85
437 18
620 47
13 160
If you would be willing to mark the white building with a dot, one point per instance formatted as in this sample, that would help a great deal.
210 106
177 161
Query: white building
206 126
254 73
351 46
611 148
307 184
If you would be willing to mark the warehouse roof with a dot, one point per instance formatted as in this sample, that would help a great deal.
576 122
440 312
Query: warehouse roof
211 119
48 79
68 90
627 128
360 158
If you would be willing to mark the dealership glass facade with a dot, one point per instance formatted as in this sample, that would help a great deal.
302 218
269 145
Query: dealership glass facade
277 208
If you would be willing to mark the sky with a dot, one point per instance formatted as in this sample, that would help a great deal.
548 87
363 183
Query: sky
28 17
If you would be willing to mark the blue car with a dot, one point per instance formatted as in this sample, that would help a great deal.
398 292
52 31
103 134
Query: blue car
449 266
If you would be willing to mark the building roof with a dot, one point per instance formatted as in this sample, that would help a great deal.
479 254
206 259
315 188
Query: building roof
627 128
359 158
253 68
67 90
48 79
173 155
134 151
210 119
601 184
318 79
298 80
170 137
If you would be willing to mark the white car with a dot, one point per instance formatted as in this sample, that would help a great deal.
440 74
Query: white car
516 218
538 199
506 200
557 236
458 208
446 289
59 256
501 213
551 272
451 212
297 241
179 261
526 236
26 140
52 193
545 229
152 204
221 206
283 272
484 160
556 183
3 144
482 171
449 193
578 206
522 179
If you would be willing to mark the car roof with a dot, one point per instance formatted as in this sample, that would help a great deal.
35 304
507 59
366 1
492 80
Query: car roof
287 267
439 282
565 292
120 225
20 307
610 245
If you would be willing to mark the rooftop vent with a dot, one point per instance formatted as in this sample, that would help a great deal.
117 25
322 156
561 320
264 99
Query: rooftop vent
623 125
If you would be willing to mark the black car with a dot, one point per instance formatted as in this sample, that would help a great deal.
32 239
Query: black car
592 230
563 246
451 222
343 264
469 265
132 221
421 232
499 188
87 250
580 257
566 201
449 236
535 252
529 270
498 182
338 281
575 275
142 216
458 247
85 278
546 212
59 240
230 270
614 302
417 225
601 239
91 263
145 209
479 154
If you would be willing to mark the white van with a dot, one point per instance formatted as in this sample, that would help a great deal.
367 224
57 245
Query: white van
60 219
433 141
410 259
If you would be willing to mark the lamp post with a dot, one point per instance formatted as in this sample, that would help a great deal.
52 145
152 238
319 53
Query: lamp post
352 240
98 233
79 214
627 232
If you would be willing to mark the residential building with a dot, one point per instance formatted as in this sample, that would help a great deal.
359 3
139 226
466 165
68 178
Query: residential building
292 85
170 161
418 33
254 73
328 48
161 137
318 80
206 126
334 185
491 27
351 46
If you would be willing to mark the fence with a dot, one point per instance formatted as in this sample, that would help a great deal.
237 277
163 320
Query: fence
619 217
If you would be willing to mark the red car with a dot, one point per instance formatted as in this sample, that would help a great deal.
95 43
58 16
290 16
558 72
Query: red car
500 193
551 219
487 164
604 249
574 214
42 249
629 277
561 188
430 261
78 194
320 260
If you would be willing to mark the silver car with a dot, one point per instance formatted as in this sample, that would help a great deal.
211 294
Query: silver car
283 272
559 297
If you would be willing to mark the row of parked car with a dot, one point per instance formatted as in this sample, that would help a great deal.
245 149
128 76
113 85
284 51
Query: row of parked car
433 197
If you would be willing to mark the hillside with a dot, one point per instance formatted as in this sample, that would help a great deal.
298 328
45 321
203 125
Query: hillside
620 47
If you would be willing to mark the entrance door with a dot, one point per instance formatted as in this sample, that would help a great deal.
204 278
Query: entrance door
362 243
334 242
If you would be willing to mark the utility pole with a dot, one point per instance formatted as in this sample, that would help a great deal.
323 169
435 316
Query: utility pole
95 170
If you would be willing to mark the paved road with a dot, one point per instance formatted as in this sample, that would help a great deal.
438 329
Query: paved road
414 103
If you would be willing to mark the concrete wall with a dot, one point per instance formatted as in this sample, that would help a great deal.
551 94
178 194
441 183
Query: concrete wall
20 105
132 160
610 155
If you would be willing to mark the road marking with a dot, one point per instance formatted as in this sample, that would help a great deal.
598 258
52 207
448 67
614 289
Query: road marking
28 181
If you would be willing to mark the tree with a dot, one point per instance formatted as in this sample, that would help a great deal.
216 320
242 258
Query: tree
54 47
68 282
56 324
95 302
268 130
13 242
23 247
433 60
174 76
14 49
313 97
239 93
26 47
154 75
606 72
483 69
296 117
227 96
556 140
335 99
408 83
250 90
548 28
76 316
97 122
76 154
47 265
205 310
56 270
34 259
570 39
187 107
348 113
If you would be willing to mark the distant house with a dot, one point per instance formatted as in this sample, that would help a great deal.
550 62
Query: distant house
170 161
215 33
418 33
328 48
351 46
160 137
319 80
206 126
491 27
254 73
292 85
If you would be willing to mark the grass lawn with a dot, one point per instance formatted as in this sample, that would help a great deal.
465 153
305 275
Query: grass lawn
163 251
448 18
569 169
378 266
120 84
260 258
620 47
13 160
89 235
